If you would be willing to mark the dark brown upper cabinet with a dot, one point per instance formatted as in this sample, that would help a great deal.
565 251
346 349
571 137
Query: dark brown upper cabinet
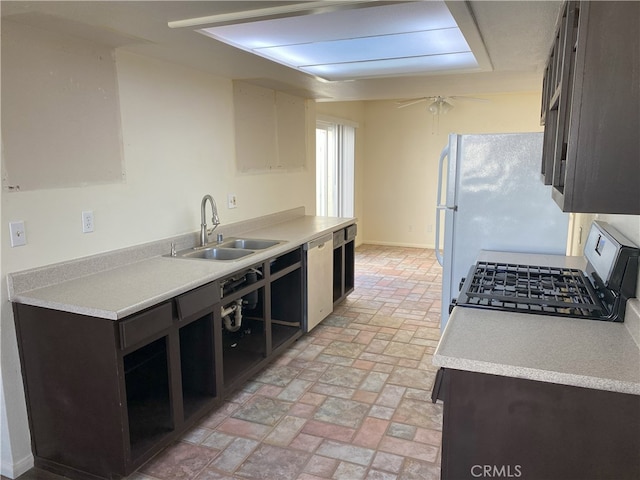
591 109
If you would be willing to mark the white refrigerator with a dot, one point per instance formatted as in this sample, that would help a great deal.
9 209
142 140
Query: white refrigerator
491 197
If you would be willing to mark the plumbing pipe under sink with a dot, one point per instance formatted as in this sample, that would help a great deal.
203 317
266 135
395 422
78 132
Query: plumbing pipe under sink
232 313
232 324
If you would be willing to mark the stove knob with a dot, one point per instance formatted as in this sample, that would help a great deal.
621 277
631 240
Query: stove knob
461 283
451 305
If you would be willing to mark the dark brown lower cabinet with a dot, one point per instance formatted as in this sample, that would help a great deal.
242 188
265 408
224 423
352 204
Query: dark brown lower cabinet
344 242
504 427
104 396
75 389
148 396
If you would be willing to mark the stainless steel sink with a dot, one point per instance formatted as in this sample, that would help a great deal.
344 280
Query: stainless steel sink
215 253
232 249
249 243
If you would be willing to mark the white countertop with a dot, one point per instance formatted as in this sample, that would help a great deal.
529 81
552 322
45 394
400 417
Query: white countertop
570 351
118 292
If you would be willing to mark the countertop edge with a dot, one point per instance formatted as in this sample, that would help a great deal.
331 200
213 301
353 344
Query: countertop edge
35 302
534 374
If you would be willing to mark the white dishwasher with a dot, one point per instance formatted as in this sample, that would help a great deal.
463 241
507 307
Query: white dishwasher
319 279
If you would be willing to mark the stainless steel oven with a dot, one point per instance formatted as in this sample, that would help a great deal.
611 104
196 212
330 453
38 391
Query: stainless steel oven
598 293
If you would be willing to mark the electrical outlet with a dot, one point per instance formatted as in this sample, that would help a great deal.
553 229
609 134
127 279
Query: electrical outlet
232 201
18 233
87 221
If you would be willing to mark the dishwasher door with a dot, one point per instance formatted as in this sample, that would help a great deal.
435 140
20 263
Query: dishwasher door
319 279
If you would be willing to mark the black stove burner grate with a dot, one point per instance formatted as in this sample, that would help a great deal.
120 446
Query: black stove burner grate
531 289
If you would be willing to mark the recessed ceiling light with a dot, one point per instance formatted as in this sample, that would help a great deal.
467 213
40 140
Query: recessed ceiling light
401 39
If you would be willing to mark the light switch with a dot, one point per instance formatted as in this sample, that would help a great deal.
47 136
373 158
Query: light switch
18 233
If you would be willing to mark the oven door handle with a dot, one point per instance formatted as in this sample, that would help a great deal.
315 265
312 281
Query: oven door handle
440 206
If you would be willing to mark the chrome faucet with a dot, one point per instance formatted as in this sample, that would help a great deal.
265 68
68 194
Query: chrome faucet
204 234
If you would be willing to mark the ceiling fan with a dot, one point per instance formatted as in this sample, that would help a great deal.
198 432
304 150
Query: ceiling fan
439 104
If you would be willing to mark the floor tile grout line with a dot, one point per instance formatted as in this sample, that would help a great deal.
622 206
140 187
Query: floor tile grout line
393 284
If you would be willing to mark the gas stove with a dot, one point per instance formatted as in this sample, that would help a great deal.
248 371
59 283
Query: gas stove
599 293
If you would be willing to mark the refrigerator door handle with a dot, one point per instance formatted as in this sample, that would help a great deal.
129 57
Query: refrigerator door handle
440 206
439 254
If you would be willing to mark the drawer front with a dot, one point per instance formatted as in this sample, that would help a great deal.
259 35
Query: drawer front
350 232
197 300
338 238
144 325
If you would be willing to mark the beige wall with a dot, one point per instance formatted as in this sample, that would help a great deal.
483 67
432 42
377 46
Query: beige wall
579 224
402 148
178 137
177 131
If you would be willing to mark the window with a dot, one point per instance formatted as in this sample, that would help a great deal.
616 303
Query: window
335 152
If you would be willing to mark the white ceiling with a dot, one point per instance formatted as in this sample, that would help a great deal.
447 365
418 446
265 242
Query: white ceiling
516 34
379 41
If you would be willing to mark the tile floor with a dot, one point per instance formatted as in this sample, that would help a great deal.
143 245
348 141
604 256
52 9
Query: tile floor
351 400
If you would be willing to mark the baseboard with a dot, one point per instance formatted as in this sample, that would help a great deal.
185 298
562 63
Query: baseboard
18 468
394 244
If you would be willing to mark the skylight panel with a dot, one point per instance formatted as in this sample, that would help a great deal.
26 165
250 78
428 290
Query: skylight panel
407 38
414 44
362 22
398 66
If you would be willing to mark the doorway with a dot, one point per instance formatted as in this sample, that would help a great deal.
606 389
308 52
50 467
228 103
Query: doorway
335 157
